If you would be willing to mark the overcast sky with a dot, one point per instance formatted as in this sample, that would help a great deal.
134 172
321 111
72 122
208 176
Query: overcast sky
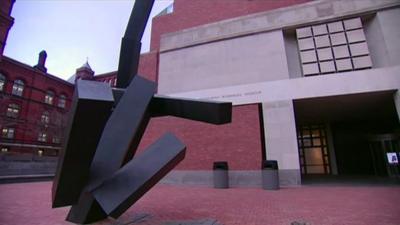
72 30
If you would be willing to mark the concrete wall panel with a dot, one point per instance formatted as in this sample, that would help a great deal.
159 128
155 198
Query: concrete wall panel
242 60
281 138
389 21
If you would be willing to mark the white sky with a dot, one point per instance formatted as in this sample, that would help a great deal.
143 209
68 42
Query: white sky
70 31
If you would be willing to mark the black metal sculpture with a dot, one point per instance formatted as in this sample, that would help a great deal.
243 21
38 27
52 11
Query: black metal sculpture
96 173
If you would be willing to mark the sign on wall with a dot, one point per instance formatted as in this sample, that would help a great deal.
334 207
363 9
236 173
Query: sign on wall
392 158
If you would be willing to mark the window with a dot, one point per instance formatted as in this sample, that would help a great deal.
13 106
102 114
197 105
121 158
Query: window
12 110
62 101
333 47
7 132
40 152
42 137
4 149
45 117
56 140
18 87
2 81
313 150
49 97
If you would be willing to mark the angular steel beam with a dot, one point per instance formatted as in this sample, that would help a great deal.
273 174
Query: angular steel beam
119 141
205 111
86 211
131 45
133 180
91 107
105 189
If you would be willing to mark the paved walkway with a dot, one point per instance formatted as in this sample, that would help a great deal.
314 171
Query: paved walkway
29 203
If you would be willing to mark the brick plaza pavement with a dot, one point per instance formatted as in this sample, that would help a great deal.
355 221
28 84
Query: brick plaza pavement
29 203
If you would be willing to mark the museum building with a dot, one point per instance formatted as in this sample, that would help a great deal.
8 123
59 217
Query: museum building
314 86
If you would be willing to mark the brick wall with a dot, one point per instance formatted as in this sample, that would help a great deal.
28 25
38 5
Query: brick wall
238 143
198 12
148 65
28 124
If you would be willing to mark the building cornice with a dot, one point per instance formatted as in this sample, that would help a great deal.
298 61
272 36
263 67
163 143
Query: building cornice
283 18
28 67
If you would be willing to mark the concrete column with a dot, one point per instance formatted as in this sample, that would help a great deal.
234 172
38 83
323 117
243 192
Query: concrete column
331 149
281 140
396 97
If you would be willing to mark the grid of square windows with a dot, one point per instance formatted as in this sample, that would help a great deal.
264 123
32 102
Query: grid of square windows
333 47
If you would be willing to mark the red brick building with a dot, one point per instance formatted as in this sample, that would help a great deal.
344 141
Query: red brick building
33 103
241 143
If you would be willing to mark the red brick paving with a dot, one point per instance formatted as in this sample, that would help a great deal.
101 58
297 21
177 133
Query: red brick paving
29 203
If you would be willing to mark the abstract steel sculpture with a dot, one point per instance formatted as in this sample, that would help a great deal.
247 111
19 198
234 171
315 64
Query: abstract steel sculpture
97 173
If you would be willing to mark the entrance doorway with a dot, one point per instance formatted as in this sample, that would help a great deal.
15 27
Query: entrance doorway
313 150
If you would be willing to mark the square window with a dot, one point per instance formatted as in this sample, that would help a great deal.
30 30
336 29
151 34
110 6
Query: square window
355 36
322 41
352 23
327 67
308 56
313 156
305 44
338 39
306 133
335 27
343 64
310 69
307 142
362 62
315 132
303 32
316 142
359 49
324 54
319 29
315 170
341 52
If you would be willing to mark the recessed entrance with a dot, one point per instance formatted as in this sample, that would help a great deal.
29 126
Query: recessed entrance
334 134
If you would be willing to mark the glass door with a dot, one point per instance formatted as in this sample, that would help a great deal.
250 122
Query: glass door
313 150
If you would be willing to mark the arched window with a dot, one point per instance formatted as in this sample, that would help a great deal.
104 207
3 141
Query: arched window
12 110
61 101
42 137
49 97
45 117
7 132
2 81
18 87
